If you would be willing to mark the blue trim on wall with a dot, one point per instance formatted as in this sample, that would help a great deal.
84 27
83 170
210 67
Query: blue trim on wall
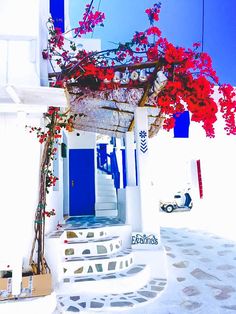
136 166
103 153
57 10
182 122
56 168
65 178
124 168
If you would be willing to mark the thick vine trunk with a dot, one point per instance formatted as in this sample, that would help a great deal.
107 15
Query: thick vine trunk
41 267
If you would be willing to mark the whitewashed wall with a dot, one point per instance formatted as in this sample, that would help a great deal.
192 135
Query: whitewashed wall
19 29
22 38
81 139
19 184
170 159
23 35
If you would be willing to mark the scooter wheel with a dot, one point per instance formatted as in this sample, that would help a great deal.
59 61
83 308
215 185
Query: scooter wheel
169 208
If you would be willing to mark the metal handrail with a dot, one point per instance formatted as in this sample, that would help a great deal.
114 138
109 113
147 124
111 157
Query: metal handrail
108 164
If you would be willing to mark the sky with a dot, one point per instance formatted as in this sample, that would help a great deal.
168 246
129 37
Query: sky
180 21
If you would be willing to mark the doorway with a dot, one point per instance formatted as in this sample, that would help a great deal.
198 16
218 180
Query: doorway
81 182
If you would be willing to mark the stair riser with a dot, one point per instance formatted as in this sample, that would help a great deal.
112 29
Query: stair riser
105 205
108 193
105 187
106 213
107 286
105 182
106 198
104 175
96 266
121 231
92 249
84 234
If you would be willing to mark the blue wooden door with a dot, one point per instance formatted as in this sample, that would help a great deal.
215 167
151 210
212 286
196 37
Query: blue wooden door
82 182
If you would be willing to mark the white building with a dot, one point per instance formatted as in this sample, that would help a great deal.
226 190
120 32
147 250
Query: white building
23 102
130 214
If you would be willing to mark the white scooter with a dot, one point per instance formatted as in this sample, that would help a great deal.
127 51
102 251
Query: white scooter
182 200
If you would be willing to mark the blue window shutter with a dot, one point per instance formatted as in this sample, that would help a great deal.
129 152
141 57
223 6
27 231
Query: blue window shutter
182 122
57 12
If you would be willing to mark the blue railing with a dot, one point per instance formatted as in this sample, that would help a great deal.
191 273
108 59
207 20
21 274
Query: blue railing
108 164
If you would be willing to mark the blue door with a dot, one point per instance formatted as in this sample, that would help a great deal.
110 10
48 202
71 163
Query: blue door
82 182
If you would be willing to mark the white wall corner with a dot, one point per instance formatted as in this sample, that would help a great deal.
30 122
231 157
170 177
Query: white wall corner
133 209
149 216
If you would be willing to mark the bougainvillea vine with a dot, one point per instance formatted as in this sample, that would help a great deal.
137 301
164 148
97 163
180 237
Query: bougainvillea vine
48 137
191 77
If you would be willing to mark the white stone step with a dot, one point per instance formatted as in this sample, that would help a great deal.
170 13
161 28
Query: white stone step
84 228
106 187
106 213
55 234
129 279
105 181
104 175
91 223
105 192
105 205
75 234
106 198
103 264
109 303
103 246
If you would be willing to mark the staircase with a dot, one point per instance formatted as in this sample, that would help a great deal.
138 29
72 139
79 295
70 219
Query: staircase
106 199
107 182
94 267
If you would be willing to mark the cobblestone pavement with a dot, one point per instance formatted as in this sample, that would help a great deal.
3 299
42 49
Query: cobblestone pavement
202 274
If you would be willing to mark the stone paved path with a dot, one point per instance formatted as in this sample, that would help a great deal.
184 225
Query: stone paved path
202 274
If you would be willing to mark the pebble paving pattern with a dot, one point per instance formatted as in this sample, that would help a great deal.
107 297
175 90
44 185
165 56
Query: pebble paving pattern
201 278
113 301
201 274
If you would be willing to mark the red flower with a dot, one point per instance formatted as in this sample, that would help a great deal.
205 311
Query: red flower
153 13
197 45
140 38
49 214
153 31
51 110
52 180
57 128
45 54
169 123
152 53
174 54
228 107
90 20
